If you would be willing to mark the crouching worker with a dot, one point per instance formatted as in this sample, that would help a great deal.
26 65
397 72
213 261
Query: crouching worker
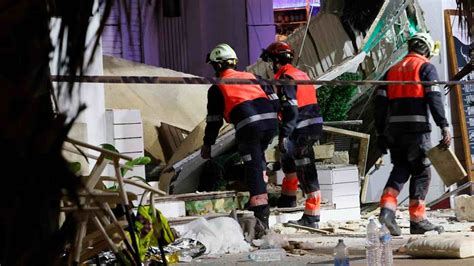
248 108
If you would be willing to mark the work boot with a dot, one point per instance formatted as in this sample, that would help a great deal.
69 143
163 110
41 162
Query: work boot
419 228
262 213
285 201
308 221
387 217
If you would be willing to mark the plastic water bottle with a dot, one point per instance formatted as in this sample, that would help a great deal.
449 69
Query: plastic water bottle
386 248
373 244
341 254
272 254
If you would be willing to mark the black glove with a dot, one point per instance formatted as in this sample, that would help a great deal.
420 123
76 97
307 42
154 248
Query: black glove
283 144
382 144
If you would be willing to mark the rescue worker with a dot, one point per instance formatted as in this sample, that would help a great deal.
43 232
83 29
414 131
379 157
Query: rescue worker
248 108
300 128
402 124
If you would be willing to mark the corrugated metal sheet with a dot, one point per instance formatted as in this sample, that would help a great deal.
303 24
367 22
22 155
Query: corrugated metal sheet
120 38
322 49
173 43
111 37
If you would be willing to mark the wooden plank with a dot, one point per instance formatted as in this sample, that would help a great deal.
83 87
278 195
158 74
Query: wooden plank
103 151
363 154
452 59
136 183
198 196
447 165
307 228
363 146
346 132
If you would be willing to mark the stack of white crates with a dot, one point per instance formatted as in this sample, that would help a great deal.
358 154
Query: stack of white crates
340 187
125 132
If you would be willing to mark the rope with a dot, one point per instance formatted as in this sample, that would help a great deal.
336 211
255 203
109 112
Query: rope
218 81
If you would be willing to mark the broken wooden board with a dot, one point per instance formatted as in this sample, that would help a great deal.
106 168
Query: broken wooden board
446 164
363 144
182 172
179 105
314 230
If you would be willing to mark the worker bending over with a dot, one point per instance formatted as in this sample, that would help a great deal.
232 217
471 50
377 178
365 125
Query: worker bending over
254 117
300 128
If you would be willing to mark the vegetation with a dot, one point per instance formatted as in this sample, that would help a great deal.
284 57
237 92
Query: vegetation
335 100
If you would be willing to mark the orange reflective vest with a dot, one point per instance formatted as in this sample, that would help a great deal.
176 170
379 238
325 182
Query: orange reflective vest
305 94
407 69
237 94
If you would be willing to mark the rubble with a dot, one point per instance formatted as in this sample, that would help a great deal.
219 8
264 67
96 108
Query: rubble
465 208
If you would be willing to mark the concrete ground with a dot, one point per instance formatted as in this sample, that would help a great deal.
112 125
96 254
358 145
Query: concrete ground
316 249
242 259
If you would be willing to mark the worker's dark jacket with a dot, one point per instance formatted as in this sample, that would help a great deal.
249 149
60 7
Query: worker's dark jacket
404 108
300 112
246 106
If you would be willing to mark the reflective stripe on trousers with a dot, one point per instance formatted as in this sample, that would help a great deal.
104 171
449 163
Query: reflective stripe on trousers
272 96
303 161
389 199
313 203
417 210
408 118
308 122
289 185
255 118
258 200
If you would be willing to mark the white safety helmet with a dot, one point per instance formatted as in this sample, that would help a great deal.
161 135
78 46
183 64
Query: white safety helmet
425 37
222 53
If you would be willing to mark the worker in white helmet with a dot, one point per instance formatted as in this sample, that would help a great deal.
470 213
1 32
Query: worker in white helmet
403 127
254 117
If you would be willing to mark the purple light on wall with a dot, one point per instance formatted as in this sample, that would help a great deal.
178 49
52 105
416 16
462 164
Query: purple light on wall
294 3
181 43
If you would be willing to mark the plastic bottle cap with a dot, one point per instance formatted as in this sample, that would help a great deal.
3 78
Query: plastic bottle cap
341 240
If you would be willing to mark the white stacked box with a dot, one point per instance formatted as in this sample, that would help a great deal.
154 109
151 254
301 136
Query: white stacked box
125 133
172 209
340 187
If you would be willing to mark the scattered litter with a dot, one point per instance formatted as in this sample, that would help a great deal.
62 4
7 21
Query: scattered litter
103 258
306 245
271 240
281 229
261 255
186 248
219 235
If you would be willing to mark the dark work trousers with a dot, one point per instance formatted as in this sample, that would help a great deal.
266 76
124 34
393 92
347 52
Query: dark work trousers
408 154
252 151
299 158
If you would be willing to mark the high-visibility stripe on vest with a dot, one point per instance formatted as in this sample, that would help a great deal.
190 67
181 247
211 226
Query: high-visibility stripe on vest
407 69
237 94
305 94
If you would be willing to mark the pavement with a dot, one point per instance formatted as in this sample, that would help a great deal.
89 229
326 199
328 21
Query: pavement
315 249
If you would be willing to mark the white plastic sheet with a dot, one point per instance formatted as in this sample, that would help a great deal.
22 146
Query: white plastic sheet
219 236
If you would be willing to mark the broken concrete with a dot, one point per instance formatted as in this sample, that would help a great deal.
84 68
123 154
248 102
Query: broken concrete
465 208
180 105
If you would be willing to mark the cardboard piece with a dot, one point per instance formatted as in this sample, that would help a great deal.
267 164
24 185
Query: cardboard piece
447 165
